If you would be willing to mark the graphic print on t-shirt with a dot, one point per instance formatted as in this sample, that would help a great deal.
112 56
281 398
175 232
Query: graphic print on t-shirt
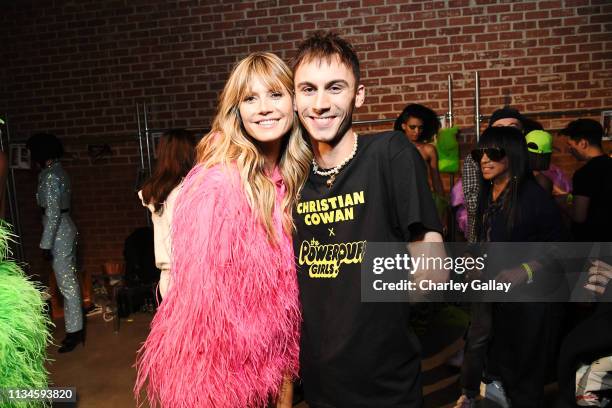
329 210
325 260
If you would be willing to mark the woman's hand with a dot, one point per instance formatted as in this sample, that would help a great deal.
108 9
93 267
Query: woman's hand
285 395
464 402
600 274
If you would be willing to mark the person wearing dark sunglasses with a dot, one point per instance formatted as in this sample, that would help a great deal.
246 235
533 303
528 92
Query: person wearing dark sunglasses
511 337
470 172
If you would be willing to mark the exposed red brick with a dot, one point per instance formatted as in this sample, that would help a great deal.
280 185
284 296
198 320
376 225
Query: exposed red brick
80 70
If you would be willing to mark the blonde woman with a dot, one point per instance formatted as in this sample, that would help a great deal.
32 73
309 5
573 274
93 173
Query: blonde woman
227 332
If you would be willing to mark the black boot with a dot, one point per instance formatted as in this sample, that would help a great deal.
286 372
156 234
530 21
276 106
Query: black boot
71 341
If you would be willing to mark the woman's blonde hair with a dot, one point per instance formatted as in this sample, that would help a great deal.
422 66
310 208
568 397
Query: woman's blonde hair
228 143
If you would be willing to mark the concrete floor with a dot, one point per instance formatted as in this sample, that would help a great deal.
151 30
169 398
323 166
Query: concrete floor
102 371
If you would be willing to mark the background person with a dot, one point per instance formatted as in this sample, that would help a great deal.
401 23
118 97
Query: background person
539 152
470 172
175 157
592 183
518 337
59 237
420 125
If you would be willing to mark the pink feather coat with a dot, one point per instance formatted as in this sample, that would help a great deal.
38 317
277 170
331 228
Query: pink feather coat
228 330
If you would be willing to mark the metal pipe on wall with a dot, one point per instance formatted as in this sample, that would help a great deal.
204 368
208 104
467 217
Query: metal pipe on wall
147 138
477 107
480 118
13 208
372 121
142 171
449 114
140 149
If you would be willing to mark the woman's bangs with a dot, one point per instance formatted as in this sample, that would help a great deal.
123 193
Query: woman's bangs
490 141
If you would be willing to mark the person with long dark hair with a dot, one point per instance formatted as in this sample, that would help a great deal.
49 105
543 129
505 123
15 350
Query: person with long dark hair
175 157
59 236
470 171
519 337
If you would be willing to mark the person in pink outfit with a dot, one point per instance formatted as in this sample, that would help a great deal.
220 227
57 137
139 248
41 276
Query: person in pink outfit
227 332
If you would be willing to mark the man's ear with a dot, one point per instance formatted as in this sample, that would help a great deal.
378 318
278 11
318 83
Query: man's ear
360 96
583 143
294 104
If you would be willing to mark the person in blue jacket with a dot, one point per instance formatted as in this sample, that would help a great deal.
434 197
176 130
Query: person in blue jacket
59 236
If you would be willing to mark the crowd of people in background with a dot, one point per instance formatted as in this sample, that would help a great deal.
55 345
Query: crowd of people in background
513 193
243 307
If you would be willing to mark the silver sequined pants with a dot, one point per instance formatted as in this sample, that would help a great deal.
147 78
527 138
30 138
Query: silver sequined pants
64 267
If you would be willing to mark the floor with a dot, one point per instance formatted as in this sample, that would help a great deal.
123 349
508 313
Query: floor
103 374
102 370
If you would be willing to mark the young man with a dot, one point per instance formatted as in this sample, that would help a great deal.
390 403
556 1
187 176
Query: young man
470 172
592 183
360 190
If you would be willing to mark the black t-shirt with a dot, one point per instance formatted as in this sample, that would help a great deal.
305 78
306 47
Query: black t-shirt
356 354
594 180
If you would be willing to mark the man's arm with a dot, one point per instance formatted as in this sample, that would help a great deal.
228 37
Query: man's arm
580 209
431 245
583 189
470 180
51 192
415 210
576 207
470 176
429 236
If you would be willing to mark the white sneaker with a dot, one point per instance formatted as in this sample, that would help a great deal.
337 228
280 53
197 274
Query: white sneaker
96 310
495 392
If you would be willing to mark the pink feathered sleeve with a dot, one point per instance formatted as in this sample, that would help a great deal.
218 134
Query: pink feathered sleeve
228 329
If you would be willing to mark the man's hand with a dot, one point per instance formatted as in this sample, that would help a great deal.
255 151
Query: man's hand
600 274
429 245
47 255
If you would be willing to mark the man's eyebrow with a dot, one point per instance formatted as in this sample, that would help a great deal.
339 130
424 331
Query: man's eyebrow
327 85
305 83
337 82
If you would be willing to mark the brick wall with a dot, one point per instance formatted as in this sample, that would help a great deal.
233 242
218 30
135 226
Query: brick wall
77 68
